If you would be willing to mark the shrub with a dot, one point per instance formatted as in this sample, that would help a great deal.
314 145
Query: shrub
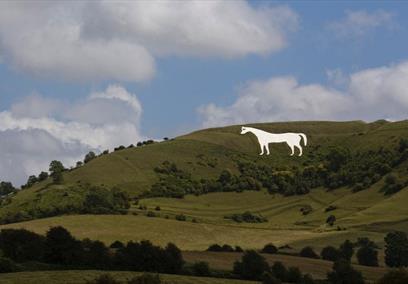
293 275
366 255
396 249
181 217
279 271
268 278
238 249
330 220
7 265
269 248
330 253
116 245
201 268
252 266
214 247
308 252
346 250
150 214
157 208
343 272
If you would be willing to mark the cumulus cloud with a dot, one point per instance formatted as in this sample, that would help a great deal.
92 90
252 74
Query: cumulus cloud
370 94
359 23
99 40
30 141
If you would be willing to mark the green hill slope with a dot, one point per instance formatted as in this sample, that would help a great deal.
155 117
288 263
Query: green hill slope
206 153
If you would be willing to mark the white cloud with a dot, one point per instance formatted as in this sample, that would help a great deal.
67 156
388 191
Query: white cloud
359 23
370 94
29 142
99 40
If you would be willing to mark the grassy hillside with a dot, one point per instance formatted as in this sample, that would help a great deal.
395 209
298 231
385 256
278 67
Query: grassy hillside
82 276
204 155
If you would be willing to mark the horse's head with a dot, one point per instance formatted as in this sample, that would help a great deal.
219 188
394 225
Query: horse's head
244 130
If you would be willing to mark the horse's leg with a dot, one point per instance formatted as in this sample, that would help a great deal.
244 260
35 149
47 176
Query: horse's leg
267 149
300 150
262 149
292 148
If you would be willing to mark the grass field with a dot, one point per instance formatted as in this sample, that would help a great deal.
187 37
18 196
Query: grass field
82 276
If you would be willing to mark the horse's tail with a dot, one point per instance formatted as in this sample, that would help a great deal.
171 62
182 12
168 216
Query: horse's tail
304 138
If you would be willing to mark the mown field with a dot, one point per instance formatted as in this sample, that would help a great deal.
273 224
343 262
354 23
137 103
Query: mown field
82 276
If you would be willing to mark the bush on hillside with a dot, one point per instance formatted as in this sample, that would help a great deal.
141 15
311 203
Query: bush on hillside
270 248
308 252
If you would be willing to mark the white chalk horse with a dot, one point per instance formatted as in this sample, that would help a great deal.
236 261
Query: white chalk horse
264 138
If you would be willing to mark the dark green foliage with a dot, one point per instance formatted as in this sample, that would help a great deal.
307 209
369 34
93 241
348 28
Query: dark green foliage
367 255
42 176
7 265
330 253
97 253
214 247
238 249
293 275
150 214
89 157
306 209
31 181
396 249
308 252
330 220
100 200
330 208
144 256
21 245
270 248
252 266
201 268
62 248
181 217
121 147
117 245
346 250
247 217
392 184
6 188
394 277
279 271
56 169
343 273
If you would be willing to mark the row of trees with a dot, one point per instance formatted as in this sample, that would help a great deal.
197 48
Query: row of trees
59 247
6 188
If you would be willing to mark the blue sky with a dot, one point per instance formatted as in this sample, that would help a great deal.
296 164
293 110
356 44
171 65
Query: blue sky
323 60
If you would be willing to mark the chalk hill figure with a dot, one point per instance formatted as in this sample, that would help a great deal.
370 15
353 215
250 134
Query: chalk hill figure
264 138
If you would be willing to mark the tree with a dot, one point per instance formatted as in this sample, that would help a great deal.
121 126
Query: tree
330 253
279 271
346 250
396 249
201 268
367 255
308 252
62 247
90 156
268 278
56 169
343 273
251 266
294 275
31 181
21 245
96 254
174 260
270 248
330 220
6 188
42 176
